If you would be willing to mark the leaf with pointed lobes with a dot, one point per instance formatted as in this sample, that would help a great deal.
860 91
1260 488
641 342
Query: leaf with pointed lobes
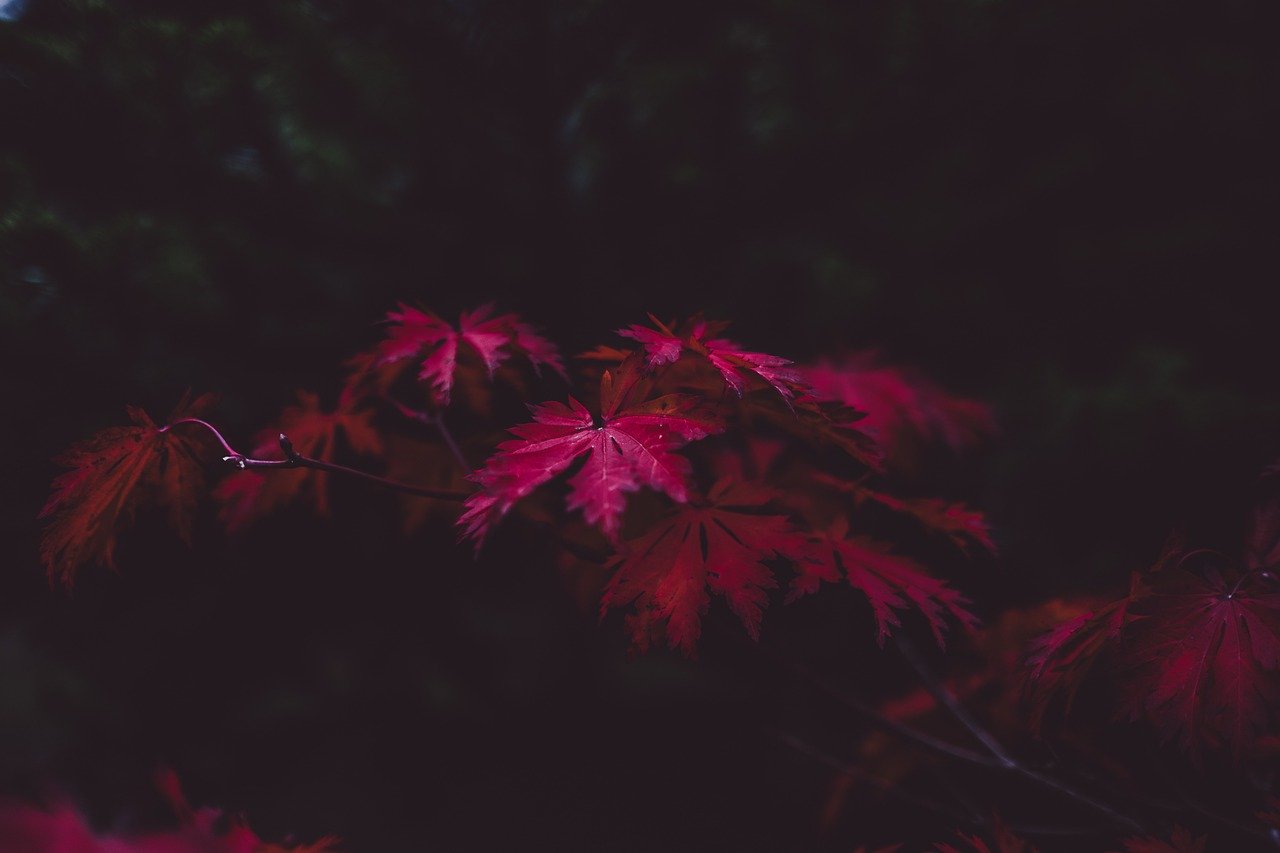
1181 841
891 583
114 473
1206 647
737 366
415 333
718 545
251 494
963 526
632 446
1059 661
902 407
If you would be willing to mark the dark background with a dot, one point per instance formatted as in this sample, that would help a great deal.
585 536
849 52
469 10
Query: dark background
1066 208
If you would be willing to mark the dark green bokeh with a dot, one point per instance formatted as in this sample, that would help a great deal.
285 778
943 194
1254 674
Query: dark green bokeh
1066 208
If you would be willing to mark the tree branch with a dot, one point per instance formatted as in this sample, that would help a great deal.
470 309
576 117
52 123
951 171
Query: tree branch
293 459
879 720
898 792
948 700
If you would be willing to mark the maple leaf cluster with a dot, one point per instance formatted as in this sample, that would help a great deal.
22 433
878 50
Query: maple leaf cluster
687 472
725 534
736 515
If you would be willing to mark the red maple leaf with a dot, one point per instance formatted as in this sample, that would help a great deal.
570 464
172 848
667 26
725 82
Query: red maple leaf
415 333
736 365
901 406
718 545
633 445
250 494
1060 659
114 473
890 582
1206 646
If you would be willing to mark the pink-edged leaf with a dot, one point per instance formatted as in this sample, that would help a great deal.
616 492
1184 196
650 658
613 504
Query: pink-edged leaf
737 366
632 447
901 406
414 333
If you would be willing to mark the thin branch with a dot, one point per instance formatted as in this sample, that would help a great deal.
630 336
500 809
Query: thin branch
884 785
453 445
948 700
1238 826
231 451
941 809
293 459
878 719
436 421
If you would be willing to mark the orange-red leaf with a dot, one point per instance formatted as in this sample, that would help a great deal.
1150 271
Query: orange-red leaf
890 582
718 546
114 473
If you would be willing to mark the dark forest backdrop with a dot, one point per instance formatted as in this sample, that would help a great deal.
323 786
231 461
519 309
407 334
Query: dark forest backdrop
1066 208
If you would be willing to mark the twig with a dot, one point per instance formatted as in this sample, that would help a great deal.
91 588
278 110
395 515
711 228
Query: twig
437 421
1006 761
941 809
293 459
879 720
884 785
948 700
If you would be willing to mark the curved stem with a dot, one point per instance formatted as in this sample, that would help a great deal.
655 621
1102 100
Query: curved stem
293 459
231 451
437 421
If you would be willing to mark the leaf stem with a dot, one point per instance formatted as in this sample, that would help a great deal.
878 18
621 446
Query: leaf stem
437 421
293 459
